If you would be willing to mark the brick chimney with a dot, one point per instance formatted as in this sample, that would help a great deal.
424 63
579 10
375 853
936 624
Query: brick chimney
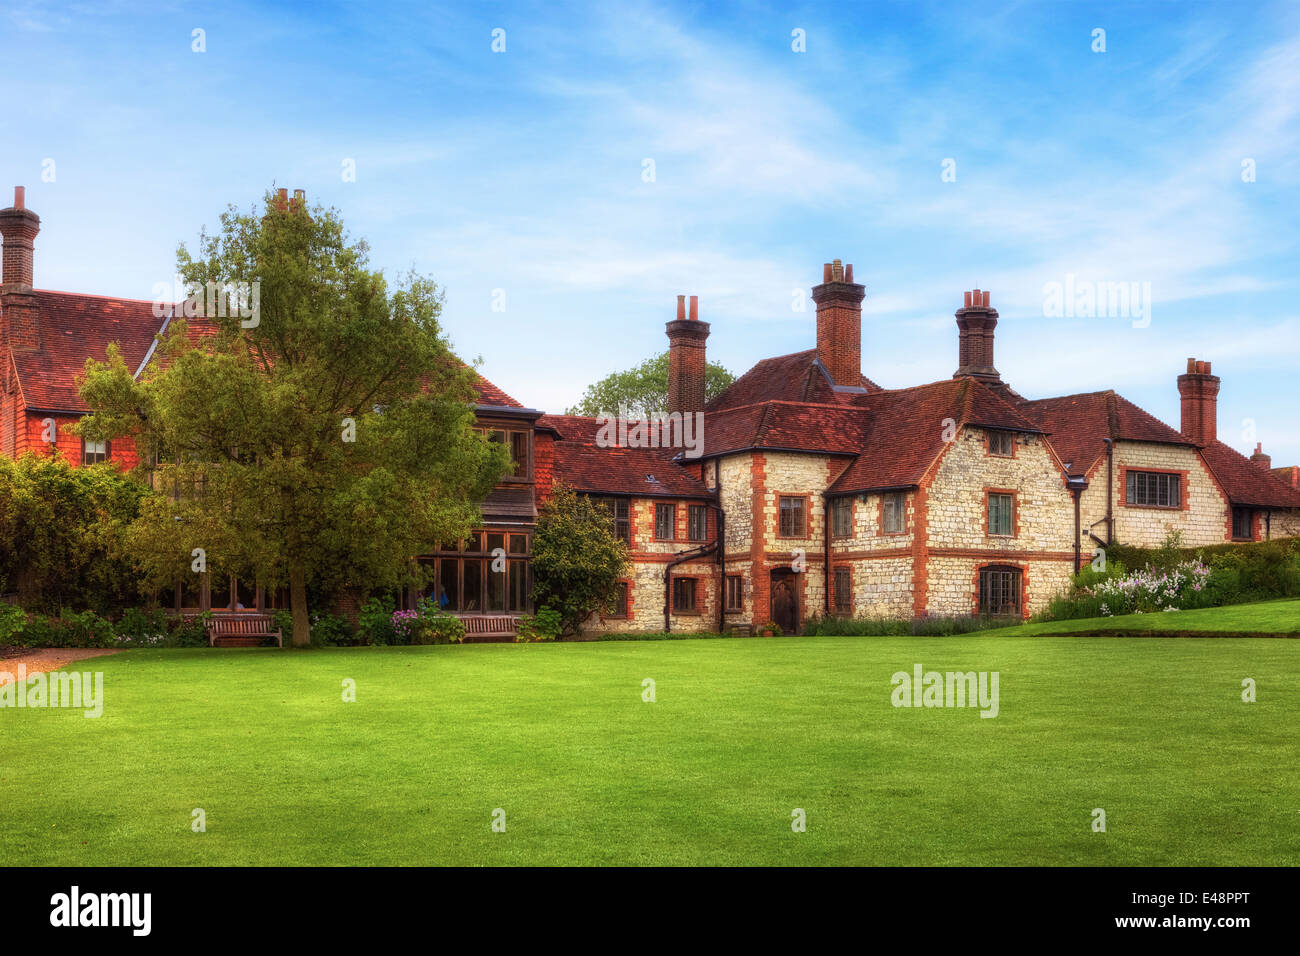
686 337
19 316
1199 391
839 323
976 320
19 226
1261 460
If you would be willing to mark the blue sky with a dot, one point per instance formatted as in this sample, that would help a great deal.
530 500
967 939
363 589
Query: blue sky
523 171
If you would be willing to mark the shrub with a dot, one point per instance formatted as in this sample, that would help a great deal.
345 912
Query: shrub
578 560
930 626
329 630
376 621
440 627
428 624
545 625
12 621
189 631
142 628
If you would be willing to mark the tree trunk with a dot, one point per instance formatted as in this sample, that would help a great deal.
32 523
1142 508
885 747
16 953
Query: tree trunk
298 604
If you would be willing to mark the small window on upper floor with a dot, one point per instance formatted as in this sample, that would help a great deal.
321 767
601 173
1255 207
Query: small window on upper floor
93 452
1002 444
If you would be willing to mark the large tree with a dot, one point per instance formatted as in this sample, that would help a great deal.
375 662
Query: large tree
643 390
327 438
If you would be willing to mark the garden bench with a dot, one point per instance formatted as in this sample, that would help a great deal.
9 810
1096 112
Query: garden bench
242 630
489 627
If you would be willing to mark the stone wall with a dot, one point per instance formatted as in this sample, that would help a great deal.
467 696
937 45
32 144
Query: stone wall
1203 516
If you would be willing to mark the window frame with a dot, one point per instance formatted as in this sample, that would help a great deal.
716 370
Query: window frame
691 512
1250 523
106 455
672 520
1175 482
802 533
1013 516
1001 435
734 582
694 582
842 592
983 583
900 499
842 507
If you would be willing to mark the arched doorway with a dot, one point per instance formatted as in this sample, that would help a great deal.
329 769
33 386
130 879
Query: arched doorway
785 600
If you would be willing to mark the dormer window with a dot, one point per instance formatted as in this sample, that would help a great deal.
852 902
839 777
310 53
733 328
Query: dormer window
1002 444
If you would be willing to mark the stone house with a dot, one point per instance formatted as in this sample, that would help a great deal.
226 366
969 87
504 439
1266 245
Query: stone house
810 489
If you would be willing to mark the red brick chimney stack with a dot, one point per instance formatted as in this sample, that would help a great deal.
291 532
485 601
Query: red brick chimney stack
839 323
19 316
976 320
1261 460
19 226
1199 391
686 338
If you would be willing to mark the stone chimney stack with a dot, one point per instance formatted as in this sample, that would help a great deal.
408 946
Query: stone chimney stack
976 320
1199 391
19 314
839 323
686 338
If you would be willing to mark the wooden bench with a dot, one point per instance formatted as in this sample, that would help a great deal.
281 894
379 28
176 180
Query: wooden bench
485 628
242 630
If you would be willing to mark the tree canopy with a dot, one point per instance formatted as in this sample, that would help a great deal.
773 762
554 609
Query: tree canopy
327 438
643 391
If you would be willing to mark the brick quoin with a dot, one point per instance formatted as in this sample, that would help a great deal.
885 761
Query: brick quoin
759 568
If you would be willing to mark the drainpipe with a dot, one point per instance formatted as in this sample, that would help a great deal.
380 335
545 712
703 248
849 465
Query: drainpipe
1077 485
1110 490
1268 525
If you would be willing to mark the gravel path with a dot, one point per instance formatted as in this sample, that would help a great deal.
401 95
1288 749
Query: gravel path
42 659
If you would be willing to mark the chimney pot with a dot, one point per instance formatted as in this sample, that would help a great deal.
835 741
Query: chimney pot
967 300
681 307
848 272
695 308
20 197
986 300
826 273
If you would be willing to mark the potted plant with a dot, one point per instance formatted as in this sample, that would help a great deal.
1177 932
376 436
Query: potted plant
771 629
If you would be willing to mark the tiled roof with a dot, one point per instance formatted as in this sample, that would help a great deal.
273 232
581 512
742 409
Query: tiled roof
489 394
1290 475
797 377
1078 425
796 426
75 327
585 466
1245 482
907 430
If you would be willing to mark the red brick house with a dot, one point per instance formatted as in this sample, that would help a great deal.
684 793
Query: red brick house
814 491
46 337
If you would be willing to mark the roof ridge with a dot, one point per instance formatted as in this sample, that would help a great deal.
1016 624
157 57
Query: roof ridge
93 295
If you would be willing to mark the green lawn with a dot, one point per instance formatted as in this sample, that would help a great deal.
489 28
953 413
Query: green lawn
743 731
1271 617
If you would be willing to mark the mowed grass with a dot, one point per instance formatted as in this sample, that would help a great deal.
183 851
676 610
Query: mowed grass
1265 617
1152 730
